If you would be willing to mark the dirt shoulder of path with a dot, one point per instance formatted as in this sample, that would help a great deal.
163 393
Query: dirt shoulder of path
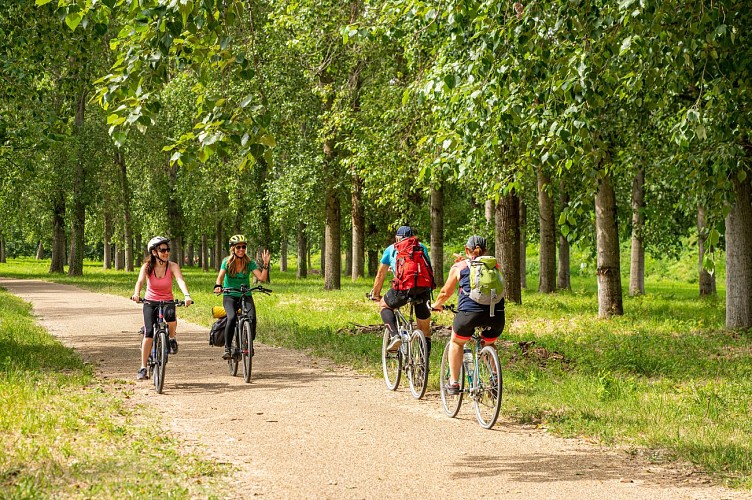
306 428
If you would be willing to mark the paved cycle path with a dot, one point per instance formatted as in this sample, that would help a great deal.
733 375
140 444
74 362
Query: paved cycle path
305 428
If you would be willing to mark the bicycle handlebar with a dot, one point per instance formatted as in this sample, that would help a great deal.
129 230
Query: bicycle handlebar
448 307
162 302
246 290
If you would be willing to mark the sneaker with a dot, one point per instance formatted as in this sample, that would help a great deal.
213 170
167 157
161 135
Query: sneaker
227 354
142 375
394 343
452 389
173 346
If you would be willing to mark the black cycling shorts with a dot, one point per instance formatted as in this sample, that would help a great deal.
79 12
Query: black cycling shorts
151 314
465 322
394 299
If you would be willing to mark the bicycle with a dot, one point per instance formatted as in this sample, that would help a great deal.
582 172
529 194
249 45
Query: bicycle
411 358
157 363
245 330
481 370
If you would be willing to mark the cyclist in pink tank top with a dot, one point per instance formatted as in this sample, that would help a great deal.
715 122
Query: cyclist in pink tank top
158 272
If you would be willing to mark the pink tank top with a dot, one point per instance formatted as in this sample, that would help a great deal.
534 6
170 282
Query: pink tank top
159 288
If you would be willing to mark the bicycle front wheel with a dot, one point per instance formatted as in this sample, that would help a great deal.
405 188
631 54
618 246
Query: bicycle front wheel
489 387
450 402
160 357
391 362
246 350
417 372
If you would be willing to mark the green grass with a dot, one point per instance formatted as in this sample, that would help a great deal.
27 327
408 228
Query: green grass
66 434
665 379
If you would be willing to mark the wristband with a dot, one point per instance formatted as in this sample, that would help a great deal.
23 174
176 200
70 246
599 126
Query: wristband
266 266
217 286
187 296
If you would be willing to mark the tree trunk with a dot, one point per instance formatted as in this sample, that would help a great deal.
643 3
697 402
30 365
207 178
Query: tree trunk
523 244
322 259
547 278
302 271
333 243
707 280
637 262
437 232
283 249
40 251
347 271
508 245
607 240
125 200
204 253
107 253
57 265
739 256
563 281
137 250
489 209
78 221
218 246
119 257
2 250
358 227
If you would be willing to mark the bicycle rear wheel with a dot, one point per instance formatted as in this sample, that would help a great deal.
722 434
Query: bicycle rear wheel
160 357
489 384
246 350
391 362
418 364
232 363
450 402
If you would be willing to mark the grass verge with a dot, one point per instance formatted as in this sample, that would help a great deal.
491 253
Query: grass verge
66 434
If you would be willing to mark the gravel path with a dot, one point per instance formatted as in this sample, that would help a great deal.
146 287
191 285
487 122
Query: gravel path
305 428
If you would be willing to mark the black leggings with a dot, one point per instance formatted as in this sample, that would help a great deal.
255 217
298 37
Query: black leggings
232 304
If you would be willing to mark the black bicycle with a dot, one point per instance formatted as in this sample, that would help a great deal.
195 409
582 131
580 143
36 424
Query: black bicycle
411 357
480 378
160 348
245 330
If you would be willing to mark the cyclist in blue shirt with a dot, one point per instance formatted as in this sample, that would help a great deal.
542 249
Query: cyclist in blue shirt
394 299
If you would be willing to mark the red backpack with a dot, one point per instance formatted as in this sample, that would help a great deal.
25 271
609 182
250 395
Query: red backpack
411 266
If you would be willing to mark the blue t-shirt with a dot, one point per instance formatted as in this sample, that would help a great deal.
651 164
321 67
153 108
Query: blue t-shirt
390 256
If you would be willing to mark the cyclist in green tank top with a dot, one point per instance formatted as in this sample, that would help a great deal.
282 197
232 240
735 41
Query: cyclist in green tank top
236 271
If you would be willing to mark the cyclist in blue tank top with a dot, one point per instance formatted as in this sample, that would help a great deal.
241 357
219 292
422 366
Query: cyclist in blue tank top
470 314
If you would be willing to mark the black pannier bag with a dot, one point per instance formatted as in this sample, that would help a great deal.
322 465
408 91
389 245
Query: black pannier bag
217 332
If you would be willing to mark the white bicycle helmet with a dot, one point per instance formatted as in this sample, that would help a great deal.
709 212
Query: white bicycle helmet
156 241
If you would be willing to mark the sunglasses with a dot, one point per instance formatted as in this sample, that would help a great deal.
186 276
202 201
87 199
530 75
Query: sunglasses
163 249
240 247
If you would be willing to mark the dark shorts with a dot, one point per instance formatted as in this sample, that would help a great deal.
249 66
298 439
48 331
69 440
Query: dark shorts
466 322
151 314
394 299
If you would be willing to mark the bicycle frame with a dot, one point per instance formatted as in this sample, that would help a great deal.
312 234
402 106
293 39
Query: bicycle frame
406 359
160 347
243 337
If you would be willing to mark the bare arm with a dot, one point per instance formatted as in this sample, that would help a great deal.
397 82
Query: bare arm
263 275
139 283
448 289
181 282
378 283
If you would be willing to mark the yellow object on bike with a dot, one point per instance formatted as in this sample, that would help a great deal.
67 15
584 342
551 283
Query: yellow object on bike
218 312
